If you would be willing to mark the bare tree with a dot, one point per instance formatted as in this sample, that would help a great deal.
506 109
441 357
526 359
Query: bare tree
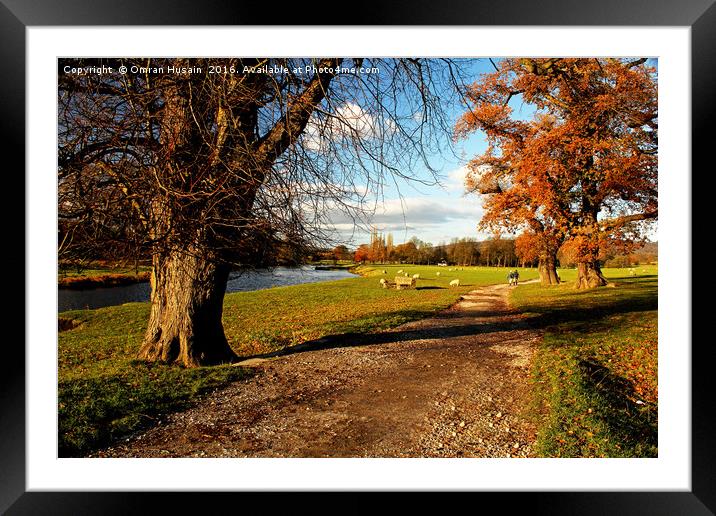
209 164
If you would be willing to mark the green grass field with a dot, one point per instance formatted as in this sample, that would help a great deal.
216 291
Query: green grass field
595 372
105 394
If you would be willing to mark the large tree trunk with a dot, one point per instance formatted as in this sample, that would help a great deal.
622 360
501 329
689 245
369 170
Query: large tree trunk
187 303
547 268
589 275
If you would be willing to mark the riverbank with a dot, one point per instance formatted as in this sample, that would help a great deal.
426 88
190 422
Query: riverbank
100 274
102 280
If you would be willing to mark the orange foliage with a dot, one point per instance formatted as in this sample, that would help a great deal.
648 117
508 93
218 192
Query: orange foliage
527 246
584 169
362 254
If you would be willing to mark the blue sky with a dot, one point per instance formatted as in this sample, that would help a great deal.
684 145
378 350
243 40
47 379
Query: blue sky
439 213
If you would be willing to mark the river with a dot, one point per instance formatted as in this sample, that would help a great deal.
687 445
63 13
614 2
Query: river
238 282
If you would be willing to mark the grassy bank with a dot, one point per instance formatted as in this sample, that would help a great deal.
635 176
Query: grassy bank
99 275
595 372
102 280
105 394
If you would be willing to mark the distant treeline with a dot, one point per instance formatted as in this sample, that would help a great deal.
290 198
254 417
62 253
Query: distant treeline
492 252
497 252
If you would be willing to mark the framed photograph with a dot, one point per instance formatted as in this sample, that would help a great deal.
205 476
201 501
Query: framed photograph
464 217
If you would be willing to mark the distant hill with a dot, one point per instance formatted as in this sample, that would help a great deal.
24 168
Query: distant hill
652 247
650 250
649 253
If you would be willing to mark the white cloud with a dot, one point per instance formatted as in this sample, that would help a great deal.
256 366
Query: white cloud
456 179
428 210
433 219
348 121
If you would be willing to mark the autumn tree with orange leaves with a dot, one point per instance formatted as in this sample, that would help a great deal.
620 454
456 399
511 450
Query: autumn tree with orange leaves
527 247
582 173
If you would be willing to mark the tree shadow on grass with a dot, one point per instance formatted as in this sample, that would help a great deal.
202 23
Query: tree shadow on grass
634 425
460 324
93 412
581 306
578 318
587 319
632 278
452 327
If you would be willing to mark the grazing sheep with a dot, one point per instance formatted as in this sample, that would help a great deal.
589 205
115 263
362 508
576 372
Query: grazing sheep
383 283
385 272
437 273
405 274
416 276
455 283
401 270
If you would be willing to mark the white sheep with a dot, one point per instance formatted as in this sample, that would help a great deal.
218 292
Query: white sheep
437 273
383 283
416 276
385 272
401 270
455 283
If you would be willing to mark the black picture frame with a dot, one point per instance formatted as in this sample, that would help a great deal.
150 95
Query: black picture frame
17 15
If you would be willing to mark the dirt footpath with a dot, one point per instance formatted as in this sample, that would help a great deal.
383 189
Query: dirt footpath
450 386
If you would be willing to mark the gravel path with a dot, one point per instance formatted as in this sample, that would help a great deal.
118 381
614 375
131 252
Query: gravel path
454 385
